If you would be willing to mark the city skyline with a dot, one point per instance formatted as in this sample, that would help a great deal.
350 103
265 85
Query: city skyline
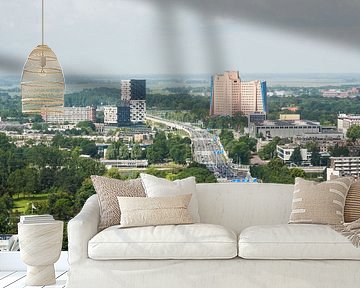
97 37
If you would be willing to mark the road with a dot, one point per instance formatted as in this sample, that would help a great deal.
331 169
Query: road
207 150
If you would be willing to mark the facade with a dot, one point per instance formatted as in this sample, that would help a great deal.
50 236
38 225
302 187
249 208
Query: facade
133 94
117 115
72 115
111 115
231 95
257 117
343 166
284 152
289 117
283 129
324 140
345 121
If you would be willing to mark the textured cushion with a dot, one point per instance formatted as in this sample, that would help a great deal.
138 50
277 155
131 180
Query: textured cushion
301 241
352 203
159 187
193 241
140 211
320 203
107 190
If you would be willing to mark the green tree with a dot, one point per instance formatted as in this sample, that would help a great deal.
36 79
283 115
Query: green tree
296 156
315 158
353 132
5 208
124 152
269 151
178 153
339 151
136 151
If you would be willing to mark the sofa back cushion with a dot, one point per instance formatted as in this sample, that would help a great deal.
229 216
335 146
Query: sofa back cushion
108 190
239 205
159 187
320 203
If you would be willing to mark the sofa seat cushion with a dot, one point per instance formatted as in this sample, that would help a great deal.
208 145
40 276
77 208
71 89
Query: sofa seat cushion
295 241
192 241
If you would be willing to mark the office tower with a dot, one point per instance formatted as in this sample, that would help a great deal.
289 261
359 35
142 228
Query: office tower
230 95
133 94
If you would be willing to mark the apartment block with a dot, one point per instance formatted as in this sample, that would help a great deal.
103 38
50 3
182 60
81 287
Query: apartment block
284 152
343 166
230 95
345 121
324 140
111 115
283 129
133 94
71 115
117 115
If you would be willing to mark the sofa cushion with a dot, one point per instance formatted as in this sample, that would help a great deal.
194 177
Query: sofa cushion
352 204
295 241
319 203
107 190
144 211
193 241
159 187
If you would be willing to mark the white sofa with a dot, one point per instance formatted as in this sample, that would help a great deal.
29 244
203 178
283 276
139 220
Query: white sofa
249 221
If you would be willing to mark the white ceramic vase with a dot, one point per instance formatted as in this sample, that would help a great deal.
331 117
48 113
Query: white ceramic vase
40 247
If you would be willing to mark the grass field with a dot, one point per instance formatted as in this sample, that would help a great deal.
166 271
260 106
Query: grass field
22 203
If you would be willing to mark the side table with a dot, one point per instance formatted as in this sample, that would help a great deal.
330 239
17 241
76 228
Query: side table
40 247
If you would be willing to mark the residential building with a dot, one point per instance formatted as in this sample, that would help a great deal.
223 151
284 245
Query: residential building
345 121
283 129
71 115
343 166
231 95
111 115
284 152
133 94
324 140
257 117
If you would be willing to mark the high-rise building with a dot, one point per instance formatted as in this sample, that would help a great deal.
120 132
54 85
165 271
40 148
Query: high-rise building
133 94
230 95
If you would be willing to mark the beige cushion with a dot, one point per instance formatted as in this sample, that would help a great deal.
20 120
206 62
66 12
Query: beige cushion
139 211
300 241
107 190
193 241
321 203
352 204
159 187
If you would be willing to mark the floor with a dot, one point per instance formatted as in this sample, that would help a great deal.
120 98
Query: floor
16 279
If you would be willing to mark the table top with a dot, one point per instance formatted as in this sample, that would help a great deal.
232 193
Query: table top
55 222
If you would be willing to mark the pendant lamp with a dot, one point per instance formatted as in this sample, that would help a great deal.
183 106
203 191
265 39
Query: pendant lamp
42 82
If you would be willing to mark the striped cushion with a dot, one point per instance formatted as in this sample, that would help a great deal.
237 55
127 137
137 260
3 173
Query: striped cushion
352 204
320 203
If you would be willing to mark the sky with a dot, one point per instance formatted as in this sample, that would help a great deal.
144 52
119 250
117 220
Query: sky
196 36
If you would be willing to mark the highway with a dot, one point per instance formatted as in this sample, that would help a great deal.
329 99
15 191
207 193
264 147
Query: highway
207 149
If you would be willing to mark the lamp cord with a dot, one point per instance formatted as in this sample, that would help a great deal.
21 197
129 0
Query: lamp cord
42 23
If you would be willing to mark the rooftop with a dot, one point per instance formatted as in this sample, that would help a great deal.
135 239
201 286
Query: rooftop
287 123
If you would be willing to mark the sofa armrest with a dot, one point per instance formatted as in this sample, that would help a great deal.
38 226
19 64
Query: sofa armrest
82 228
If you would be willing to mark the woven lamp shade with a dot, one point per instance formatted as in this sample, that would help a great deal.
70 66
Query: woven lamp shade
42 83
